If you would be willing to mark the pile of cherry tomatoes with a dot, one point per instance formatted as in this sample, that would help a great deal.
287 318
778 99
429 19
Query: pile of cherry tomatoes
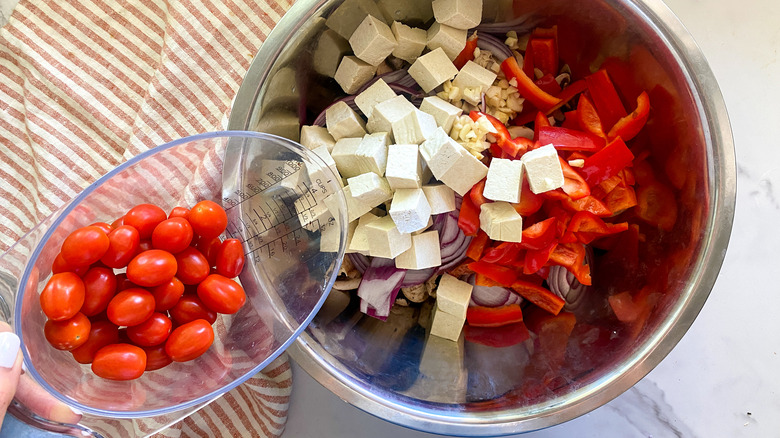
142 292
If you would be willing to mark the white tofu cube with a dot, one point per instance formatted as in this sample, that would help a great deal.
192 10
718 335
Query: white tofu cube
413 128
445 325
449 39
369 188
501 222
376 93
372 41
440 197
331 48
453 295
316 172
442 111
451 163
355 208
403 166
473 80
543 169
424 229
466 172
424 253
410 210
372 153
359 241
330 236
342 121
312 137
384 239
411 41
432 69
385 113
504 180
353 74
344 154
348 16
461 14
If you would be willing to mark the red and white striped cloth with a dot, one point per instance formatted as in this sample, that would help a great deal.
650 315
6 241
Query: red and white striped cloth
87 84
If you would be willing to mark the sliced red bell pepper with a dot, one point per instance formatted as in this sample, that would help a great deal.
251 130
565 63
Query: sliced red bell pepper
545 55
565 139
629 126
607 162
528 113
468 218
572 257
527 88
476 194
467 54
588 118
605 98
620 198
477 246
479 316
573 183
504 336
539 121
539 235
503 275
548 84
503 254
571 120
530 202
588 203
539 296
656 205
513 147
482 280
585 227
535 259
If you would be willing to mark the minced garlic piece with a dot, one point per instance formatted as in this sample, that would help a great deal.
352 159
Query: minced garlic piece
577 163
472 135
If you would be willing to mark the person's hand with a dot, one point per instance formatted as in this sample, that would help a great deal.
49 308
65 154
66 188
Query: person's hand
26 391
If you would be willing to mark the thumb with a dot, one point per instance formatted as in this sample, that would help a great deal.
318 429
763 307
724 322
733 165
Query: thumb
10 368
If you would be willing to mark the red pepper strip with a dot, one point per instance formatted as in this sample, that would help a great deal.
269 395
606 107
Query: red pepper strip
573 184
539 235
545 55
529 111
476 194
629 126
565 139
605 98
656 205
588 118
504 140
482 280
620 198
571 120
526 86
528 62
503 275
585 227
539 121
548 84
535 259
479 316
588 203
468 219
496 151
540 296
607 162
530 202
502 254
572 256
467 54
505 336
477 246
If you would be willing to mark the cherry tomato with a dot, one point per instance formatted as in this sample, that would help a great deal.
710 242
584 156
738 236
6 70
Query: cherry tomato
144 217
167 294
101 333
152 268
68 334
60 265
209 247
99 288
208 219
85 246
103 226
189 341
122 282
156 357
172 235
221 294
192 266
153 331
179 212
130 307
145 245
63 296
119 362
124 242
230 258
189 308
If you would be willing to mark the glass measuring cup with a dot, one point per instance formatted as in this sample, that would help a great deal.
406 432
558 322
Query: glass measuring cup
283 203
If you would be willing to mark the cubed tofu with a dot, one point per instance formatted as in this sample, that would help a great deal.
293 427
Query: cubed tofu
424 229
313 137
342 122
353 74
501 222
424 253
403 166
460 14
451 163
370 188
344 154
348 16
410 210
432 69
384 239
330 236
355 208
359 241
372 153
373 40
387 112
504 180
411 41
315 172
442 111
466 172
453 295
440 197
473 80
543 169
331 48
376 93
406 11
413 128
449 39
446 325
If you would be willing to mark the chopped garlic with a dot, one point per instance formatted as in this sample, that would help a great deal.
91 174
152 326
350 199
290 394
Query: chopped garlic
577 163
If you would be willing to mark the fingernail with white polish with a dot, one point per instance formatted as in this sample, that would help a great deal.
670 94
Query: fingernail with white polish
9 348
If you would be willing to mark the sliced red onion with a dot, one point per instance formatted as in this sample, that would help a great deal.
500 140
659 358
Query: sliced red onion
495 296
520 25
350 100
414 277
389 78
359 261
381 280
564 284
500 51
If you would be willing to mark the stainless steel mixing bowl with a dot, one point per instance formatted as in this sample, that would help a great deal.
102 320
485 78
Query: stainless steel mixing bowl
393 370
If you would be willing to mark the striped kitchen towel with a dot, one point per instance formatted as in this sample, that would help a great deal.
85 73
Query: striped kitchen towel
87 84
